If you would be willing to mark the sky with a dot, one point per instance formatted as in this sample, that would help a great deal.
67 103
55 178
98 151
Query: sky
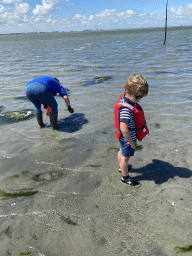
23 16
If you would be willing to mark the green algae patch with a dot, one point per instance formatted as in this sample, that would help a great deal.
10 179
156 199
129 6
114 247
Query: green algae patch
47 177
16 116
99 79
17 193
93 165
24 172
34 236
185 249
112 148
24 253
138 147
14 177
19 115
21 98
68 221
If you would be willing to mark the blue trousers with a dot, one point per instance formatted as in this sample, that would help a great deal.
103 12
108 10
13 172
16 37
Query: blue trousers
37 94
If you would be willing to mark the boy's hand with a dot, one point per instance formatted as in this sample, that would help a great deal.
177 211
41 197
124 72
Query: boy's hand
132 145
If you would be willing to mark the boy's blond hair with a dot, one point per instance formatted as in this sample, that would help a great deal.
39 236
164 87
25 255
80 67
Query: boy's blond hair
136 85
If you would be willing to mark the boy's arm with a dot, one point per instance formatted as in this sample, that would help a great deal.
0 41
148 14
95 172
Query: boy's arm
125 131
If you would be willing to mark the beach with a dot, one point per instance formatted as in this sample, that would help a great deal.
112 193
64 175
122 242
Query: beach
83 209
69 197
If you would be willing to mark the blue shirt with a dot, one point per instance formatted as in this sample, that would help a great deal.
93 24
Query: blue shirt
52 85
126 115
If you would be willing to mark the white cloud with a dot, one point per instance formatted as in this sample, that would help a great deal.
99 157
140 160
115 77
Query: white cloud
46 8
77 17
49 20
104 17
2 8
10 1
130 12
182 15
4 15
172 10
91 17
142 14
15 17
22 8
178 12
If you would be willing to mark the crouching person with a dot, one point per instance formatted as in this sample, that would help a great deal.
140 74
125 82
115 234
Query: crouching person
42 90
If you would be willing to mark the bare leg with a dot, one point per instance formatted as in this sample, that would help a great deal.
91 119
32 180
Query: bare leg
119 157
123 163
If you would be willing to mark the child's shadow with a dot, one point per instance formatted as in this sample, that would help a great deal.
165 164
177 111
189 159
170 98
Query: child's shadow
161 172
72 123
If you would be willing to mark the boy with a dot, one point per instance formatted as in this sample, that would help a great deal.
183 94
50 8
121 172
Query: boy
130 123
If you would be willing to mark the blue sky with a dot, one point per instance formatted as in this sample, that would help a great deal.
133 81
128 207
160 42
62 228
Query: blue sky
74 15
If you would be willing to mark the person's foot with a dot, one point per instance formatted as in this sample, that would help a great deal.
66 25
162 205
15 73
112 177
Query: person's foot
131 182
129 168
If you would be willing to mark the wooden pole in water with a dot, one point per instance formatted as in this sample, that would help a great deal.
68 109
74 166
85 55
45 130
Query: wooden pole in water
166 23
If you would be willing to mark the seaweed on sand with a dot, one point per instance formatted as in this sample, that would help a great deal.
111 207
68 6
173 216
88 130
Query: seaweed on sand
18 193
98 80
93 165
34 236
14 177
185 249
117 149
138 147
24 253
22 98
16 116
53 175
68 221
24 172
19 115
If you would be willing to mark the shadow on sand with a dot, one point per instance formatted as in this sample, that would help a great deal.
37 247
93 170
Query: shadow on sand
72 123
161 172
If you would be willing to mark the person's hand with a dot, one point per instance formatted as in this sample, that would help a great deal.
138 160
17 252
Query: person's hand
70 109
133 145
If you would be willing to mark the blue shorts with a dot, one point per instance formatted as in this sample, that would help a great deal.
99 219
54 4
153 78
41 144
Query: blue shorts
37 94
126 149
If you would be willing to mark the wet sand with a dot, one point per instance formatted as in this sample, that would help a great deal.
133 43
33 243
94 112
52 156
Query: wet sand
81 207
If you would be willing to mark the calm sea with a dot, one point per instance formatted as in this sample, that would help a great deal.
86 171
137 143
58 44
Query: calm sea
77 59
93 67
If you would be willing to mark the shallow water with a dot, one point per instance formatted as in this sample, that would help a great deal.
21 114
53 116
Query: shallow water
78 58
85 147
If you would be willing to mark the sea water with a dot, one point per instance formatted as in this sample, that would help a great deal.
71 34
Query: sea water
93 67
